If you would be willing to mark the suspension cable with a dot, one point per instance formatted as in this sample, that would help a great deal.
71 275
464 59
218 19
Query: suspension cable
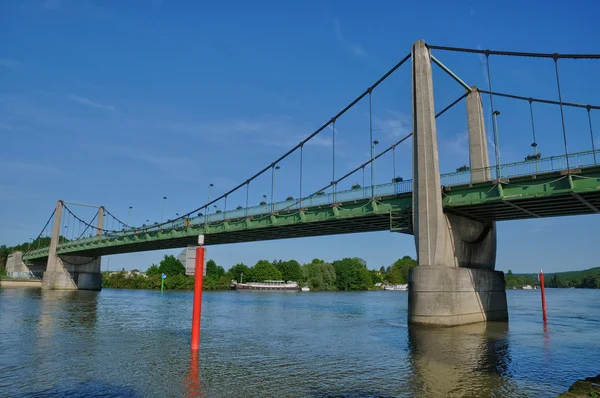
87 226
494 129
562 114
110 214
540 100
43 229
516 53
591 134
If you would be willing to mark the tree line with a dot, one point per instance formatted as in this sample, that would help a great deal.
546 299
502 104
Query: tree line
345 274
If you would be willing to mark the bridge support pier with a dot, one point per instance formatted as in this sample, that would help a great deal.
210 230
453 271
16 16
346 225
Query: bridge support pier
70 272
455 282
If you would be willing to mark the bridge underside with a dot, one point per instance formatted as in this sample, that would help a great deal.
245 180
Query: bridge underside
548 195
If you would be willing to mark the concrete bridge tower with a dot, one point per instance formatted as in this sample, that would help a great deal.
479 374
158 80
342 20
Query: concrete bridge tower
71 272
455 282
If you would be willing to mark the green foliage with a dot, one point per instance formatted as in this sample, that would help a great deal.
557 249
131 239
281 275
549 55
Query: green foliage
290 270
586 279
171 266
263 271
352 274
398 272
153 270
376 276
4 252
239 272
518 281
179 281
215 278
214 270
319 275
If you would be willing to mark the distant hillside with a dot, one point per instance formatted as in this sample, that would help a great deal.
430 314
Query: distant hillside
587 278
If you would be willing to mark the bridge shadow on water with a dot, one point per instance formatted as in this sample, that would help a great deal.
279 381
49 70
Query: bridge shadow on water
470 360
463 361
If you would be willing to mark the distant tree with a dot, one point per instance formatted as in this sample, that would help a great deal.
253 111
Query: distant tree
171 266
235 272
376 276
398 272
262 271
153 270
290 270
4 252
352 274
319 276
382 269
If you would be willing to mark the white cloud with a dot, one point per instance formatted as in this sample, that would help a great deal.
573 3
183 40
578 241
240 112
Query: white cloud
394 124
354 48
9 63
90 103
483 61
458 145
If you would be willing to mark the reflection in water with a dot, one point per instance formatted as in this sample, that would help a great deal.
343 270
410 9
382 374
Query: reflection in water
192 386
470 360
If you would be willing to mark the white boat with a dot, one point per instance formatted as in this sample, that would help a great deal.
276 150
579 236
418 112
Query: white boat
401 288
305 289
266 285
527 287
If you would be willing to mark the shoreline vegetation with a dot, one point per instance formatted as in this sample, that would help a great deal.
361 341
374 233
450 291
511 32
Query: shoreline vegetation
347 274
341 275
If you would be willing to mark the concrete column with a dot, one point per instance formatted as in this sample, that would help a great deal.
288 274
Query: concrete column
478 149
455 282
428 219
69 272
100 220
54 240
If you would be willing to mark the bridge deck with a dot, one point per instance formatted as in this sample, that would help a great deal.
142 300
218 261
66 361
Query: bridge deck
541 194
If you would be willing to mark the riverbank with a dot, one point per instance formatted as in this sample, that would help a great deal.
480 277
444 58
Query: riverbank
21 283
588 387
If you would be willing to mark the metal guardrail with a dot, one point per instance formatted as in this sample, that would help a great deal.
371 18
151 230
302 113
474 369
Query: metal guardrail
515 169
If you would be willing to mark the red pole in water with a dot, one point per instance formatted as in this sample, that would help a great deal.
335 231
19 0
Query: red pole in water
543 295
197 309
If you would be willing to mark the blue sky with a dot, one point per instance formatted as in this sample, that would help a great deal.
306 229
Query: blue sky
121 103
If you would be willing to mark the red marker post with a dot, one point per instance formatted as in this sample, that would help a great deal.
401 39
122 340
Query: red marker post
197 309
543 295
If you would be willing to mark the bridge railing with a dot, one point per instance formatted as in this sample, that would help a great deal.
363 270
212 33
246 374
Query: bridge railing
525 168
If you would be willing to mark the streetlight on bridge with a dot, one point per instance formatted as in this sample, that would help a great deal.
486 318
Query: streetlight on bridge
273 191
373 167
207 202
495 115
162 210
129 215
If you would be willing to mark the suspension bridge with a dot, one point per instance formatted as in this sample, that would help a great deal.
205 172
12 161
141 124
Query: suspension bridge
452 216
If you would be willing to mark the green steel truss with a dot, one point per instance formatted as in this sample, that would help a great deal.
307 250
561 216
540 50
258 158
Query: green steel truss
545 194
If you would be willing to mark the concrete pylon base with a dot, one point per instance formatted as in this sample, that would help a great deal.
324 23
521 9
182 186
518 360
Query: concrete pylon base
450 296
74 273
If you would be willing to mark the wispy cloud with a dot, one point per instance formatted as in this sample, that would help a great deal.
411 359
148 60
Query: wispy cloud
354 48
53 4
483 62
9 167
90 103
176 167
457 145
394 124
9 63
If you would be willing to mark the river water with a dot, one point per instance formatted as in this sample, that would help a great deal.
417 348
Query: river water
278 344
